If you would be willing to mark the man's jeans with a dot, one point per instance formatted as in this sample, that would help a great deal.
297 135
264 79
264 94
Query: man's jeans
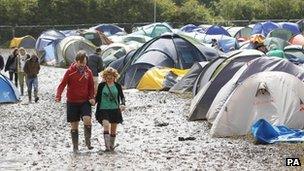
32 82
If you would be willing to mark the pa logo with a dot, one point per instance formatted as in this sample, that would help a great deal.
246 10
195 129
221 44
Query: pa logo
293 162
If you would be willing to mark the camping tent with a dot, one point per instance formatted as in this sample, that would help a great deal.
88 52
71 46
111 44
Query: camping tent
189 28
113 52
294 53
170 50
272 43
297 40
186 83
159 78
204 76
205 95
240 33
255 66
46 45
217 30
109 29
264 28
48 37
25 42
275 96
130 38
224 43
68 48
280 33
94 37
301 25
153 30
121 62
8 92
292 27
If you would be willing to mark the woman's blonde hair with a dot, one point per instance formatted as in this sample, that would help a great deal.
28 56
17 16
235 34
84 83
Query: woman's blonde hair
109 71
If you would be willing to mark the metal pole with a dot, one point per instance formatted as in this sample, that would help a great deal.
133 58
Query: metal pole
154 11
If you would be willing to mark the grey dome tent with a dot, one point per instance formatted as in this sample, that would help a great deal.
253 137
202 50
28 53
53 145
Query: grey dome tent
280 33
255 66
121 62
69 46
206 74
294 53
170 50
187 82
224 72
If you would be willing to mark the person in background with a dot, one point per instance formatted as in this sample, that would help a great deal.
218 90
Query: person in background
80 96
257 42
110 103
95 63
21 59
31 69
11 66
1 63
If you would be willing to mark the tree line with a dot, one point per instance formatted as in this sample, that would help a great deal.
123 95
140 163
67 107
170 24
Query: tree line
58 12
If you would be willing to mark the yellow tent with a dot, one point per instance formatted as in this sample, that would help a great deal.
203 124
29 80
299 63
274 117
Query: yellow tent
26 42
158 78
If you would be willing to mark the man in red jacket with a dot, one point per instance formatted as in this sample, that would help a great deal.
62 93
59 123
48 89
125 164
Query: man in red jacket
80 96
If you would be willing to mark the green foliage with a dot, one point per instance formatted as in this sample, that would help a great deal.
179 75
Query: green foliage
191 11
166 10
55 12
238 10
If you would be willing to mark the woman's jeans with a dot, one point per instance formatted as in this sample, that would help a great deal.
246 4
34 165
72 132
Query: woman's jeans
11 76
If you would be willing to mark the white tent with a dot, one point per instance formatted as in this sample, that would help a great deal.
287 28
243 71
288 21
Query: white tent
274 96
253 67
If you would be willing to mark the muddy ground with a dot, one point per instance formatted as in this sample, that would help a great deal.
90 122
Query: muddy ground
36 137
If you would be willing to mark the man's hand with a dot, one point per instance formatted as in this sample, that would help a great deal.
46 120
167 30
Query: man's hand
92 101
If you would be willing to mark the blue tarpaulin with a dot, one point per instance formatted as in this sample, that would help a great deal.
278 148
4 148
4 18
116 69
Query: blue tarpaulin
266 133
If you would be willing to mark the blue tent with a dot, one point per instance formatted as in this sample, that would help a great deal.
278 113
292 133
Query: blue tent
46 44
292 27
47 38
50 53
217 30
8 92
264 28
189 28
225 43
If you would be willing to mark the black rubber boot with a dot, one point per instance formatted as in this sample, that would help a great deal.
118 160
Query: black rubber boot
87 136
74 135
29 96
36 96
22 90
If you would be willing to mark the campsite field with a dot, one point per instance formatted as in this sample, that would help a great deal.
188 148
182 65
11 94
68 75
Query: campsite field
36 137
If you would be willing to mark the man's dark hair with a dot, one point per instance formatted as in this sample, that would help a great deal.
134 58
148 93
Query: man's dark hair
81 55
